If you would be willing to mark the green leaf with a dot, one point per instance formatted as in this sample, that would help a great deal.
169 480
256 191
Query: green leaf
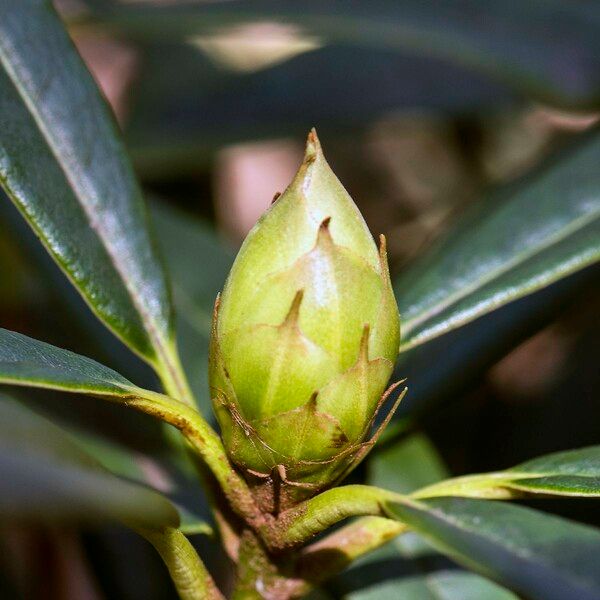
538 555
45 475
441 585
405 466
63 165
25 361
570 473
525 48
545 230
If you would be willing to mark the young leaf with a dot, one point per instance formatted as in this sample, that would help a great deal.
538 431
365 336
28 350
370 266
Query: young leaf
63 165
441 585
547 229
570 473
45 475
538 555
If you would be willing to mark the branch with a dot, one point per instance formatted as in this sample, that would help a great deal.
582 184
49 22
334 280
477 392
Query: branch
297 525
191 579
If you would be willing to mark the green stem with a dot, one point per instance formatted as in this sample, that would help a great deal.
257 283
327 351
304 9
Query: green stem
313 516
206 443
331 555
191 579
173 377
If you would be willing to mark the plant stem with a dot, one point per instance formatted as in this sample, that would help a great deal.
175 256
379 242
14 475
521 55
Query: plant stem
206 443
191 579
313 516
173 377
331 555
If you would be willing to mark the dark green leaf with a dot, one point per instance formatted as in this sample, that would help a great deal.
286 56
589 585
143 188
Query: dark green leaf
541 556
25 361
45 475
575 472
546 49
405 466
63 165
570 473
545 230
442 585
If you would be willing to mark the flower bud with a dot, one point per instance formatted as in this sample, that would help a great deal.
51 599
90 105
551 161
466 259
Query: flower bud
304 340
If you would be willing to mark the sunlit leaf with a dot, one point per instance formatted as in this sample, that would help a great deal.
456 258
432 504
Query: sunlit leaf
63 165
544 230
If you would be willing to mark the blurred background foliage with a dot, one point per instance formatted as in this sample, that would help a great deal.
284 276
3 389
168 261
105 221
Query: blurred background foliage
427 112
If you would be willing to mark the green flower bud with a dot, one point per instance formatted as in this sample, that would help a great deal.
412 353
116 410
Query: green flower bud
305 336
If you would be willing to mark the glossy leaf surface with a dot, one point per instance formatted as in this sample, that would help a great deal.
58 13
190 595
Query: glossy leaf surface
541 556
546 229
63 165
570 473
25 361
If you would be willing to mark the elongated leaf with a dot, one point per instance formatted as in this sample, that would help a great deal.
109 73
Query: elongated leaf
441 585
405 466
45 475
545 230
575 472
25 361
541 556
547 49
570 473
63 165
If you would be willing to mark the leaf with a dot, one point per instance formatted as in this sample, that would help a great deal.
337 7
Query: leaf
25 361
547 229
438 376
538 555
45 475
63 165
549 50
574 472
441 585
570 473
405 466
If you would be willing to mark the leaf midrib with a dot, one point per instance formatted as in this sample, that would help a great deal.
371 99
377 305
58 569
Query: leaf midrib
466 291
157 340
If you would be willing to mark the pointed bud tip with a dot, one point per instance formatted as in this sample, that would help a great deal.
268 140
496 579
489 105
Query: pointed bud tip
313 146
